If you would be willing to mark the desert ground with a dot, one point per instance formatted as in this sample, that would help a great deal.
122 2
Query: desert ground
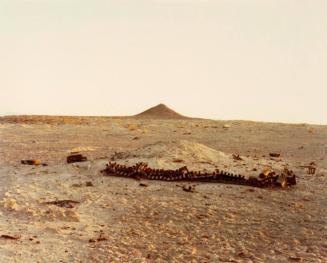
124 220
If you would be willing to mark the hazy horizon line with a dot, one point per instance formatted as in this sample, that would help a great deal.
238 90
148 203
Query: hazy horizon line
190 118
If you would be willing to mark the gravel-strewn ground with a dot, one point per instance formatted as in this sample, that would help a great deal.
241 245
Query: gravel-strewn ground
160 222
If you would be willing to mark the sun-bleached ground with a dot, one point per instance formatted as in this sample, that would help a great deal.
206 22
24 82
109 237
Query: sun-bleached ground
117 220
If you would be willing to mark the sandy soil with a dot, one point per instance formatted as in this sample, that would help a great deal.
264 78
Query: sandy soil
117 220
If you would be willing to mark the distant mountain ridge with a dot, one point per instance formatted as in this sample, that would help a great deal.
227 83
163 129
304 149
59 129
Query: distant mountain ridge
160 111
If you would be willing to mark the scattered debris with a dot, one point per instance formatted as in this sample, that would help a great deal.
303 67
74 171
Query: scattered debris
237 157
294 258
73 158
190 188
89 184
178 161
31 162
10 237
98 239
63 203
77 185
276 155
101 238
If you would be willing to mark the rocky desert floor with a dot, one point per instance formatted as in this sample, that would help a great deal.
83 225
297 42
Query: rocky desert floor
125 220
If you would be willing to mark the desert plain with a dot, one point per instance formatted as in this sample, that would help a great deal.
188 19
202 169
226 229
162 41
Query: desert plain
119 219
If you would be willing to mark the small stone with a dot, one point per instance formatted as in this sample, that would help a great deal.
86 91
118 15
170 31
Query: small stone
89 184
295 258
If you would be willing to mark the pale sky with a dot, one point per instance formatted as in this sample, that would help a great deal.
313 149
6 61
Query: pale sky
221 59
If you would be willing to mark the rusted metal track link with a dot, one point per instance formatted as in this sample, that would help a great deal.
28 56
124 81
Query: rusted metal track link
142 171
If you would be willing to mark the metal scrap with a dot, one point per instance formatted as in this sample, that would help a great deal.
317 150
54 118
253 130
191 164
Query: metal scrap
276 155
73 158
31 162
10 237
